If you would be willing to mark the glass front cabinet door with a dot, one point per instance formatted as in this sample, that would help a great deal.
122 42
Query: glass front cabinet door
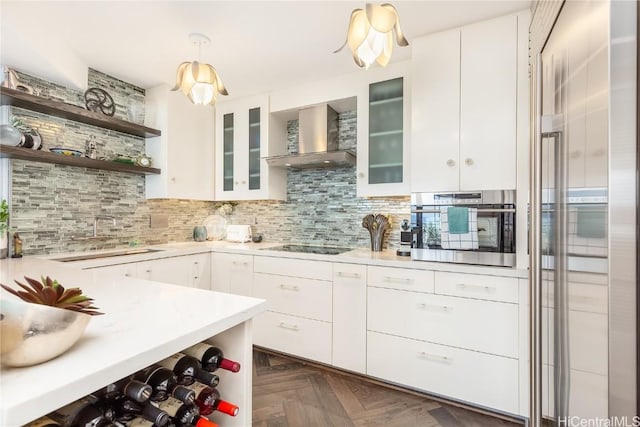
242 144
383 139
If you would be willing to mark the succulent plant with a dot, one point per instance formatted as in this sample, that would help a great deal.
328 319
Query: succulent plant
50 292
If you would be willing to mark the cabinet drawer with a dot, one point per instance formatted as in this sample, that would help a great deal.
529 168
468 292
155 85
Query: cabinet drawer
318 270
349 273
302 337
491 327
492 288
478 378
292 295
400 278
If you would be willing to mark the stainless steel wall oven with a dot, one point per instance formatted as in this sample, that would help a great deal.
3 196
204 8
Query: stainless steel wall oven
494 214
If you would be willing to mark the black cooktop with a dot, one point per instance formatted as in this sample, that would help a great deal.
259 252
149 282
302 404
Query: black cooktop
322 250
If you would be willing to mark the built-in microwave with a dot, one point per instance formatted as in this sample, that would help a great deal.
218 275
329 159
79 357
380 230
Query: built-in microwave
490 234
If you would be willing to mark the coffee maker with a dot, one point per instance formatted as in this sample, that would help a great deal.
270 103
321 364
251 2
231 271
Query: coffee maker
405 238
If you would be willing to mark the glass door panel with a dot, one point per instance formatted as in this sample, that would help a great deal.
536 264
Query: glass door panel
254 149
386 131
227 161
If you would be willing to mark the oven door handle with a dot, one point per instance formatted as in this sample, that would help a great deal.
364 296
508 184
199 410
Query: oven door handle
507 210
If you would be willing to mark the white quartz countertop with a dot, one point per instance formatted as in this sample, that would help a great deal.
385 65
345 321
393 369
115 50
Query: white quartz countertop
144 322
386 258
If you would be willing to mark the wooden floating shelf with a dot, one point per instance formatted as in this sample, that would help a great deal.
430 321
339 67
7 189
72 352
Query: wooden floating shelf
9 152
63 110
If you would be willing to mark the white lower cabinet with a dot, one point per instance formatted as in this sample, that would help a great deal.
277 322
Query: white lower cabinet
299 304
350 317
291 295
452 334
295 335
490 327
193 271
470 376
232 273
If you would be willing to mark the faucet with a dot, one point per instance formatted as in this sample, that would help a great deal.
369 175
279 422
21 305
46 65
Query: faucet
95 222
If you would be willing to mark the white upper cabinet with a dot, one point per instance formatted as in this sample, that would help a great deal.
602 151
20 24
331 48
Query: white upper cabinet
242 143
464 107
184 152
384 132
436 112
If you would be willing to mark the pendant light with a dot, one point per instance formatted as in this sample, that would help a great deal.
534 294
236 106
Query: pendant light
199 82
370 34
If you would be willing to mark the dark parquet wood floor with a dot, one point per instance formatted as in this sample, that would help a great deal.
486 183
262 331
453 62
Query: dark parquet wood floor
288 393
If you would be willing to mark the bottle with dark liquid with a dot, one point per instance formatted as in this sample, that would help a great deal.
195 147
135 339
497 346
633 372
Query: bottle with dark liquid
211 358
128 409
82 413
133 389
208 400
187 369
164 384
183 414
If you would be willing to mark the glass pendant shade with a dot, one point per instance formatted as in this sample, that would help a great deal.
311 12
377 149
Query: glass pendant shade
199 82
370 34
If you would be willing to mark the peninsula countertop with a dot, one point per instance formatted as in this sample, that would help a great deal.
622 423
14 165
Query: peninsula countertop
143 323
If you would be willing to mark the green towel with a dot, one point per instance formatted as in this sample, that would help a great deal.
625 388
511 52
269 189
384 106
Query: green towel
458 220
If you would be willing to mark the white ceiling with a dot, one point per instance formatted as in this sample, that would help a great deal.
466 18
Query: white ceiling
257 46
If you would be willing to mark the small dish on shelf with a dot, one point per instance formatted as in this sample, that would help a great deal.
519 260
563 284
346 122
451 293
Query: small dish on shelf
66 151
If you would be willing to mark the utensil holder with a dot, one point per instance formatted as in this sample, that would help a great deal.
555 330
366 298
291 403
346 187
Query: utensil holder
377 225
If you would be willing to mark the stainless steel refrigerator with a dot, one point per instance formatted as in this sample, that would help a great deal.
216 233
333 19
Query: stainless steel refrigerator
584 192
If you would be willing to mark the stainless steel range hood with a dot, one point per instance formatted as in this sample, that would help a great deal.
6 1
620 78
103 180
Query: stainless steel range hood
318 142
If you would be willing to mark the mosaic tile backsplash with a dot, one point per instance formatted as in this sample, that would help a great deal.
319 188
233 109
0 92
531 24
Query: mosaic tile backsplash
53 206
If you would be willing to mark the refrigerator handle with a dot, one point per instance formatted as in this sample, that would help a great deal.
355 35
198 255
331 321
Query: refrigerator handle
535 250
560 280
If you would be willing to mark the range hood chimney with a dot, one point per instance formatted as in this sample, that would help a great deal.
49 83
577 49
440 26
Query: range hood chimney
318 142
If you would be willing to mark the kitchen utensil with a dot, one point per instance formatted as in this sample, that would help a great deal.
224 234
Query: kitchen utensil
377 225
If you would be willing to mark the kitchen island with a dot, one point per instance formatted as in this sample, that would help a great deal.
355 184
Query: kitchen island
144 322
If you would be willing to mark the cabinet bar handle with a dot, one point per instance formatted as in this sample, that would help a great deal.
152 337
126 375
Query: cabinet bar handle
432 307
478 287
349 275
397 279
244 263
290 327
289 288
435 357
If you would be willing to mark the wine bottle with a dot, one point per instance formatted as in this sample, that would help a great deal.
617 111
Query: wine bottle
128 387
164 384
208 400
181 413
188 370
43 422
211 358
81 413
128 409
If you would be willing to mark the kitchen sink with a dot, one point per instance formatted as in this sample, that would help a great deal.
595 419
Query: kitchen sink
123 252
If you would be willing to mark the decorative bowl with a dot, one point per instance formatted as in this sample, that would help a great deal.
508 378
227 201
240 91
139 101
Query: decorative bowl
32 333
